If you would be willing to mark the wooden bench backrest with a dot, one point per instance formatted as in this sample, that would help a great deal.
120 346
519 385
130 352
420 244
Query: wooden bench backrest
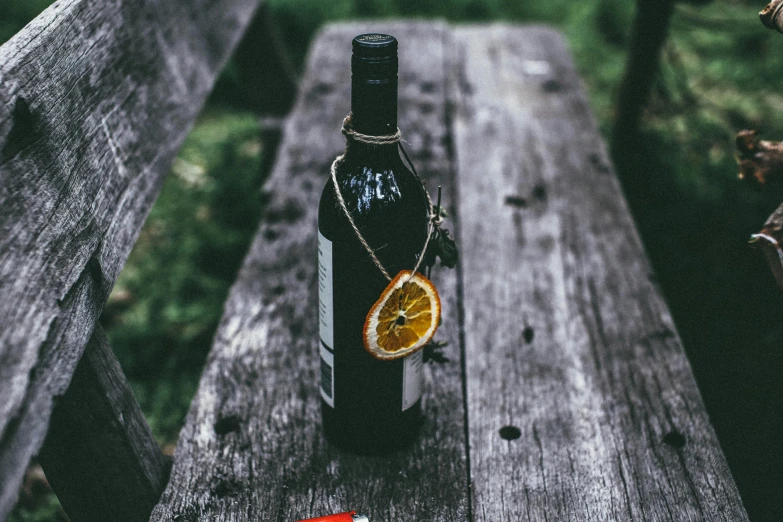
95 100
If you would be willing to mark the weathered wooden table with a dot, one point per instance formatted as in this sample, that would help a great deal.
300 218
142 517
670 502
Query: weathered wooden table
566 394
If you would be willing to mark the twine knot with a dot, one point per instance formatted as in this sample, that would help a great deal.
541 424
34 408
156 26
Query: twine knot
352 134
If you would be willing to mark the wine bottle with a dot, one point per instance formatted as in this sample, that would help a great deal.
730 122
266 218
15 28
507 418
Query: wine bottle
368 406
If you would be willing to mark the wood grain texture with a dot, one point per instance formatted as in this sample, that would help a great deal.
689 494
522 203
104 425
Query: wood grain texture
581 402
99 454
252 447
95 100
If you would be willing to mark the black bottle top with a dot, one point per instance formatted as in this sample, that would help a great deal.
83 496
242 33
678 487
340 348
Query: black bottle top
374 84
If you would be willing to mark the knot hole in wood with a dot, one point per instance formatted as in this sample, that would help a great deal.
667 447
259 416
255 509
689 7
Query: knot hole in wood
428 87
227 488
516 201
227 424
675 439
22 130
551 85
510 433
539 192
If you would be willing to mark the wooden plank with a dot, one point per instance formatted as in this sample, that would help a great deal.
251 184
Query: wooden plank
95 100
252 447
581 402
99 454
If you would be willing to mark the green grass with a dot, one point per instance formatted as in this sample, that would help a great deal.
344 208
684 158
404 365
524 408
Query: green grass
720 73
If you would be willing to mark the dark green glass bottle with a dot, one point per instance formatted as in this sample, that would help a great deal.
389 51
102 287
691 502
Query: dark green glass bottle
368 406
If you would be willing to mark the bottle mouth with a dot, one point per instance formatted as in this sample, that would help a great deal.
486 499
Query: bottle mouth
374 57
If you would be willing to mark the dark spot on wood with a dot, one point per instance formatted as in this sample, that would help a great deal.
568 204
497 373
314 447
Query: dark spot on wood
426 154
510 433
494 53
227 424
551 85
271 234
528 334
675 439
22 132
278 290
546 244
296 328
658 336
662 335
428 87
303 392
323 88
301 275
519 229
539 192
190 514
290 212
226 488
516 201
95 271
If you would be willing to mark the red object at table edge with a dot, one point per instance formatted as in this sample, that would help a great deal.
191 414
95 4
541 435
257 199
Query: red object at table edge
337 517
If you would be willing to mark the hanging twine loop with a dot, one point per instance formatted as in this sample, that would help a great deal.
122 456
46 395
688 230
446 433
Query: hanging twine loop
433 220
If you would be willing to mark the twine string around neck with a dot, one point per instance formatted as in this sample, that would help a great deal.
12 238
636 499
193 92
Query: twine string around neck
433 220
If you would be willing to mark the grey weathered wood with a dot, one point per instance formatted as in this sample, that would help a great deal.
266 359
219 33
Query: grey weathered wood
99 454
95 99
252 447
567 337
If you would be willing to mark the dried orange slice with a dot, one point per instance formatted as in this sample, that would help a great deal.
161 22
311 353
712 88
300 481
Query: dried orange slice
404 319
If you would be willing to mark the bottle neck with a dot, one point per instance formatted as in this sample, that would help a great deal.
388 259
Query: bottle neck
372 154
374 106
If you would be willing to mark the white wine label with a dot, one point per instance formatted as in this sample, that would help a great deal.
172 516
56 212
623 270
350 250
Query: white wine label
326 318
327 375
412 379
325 299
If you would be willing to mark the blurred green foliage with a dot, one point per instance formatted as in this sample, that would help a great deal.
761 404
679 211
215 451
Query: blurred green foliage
720 73
45 509
14 14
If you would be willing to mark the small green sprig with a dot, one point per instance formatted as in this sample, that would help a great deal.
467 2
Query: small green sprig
441 244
